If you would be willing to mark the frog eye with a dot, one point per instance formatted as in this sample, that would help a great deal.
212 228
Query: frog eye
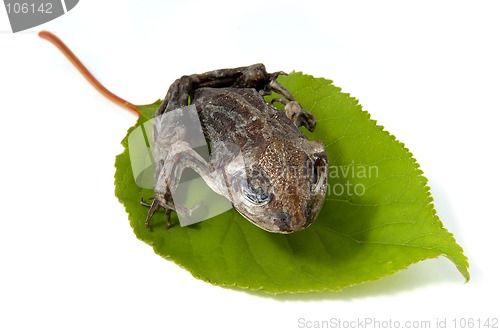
255 195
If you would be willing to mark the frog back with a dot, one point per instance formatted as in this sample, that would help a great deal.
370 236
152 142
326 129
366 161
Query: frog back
242 117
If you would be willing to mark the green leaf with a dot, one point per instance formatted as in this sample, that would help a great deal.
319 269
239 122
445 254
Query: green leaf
385 223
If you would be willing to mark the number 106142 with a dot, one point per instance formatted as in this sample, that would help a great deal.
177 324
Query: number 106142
29 8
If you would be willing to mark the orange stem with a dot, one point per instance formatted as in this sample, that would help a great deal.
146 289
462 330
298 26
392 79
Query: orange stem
86 73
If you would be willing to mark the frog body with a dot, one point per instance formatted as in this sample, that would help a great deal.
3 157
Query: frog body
280 182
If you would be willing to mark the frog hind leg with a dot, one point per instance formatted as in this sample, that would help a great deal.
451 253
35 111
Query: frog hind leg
254 76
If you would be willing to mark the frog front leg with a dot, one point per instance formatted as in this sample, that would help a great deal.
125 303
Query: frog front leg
180 157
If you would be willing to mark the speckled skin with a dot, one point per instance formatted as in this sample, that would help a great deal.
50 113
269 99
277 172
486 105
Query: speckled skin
284 175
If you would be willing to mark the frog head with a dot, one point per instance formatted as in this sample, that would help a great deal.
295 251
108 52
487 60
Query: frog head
283 189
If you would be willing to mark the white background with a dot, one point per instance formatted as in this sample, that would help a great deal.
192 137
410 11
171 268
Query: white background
427 70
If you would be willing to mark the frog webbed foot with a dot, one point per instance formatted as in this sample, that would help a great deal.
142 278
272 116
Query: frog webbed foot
153 207
296 114
299 116
293 110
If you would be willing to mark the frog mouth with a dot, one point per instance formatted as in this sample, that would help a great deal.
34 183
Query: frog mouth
278 222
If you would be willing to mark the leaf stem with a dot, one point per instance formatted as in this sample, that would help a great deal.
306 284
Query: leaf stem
86 73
